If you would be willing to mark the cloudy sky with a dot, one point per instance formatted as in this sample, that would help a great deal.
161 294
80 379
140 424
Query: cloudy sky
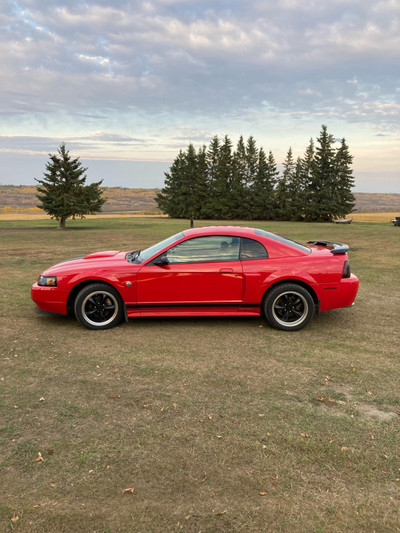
127 84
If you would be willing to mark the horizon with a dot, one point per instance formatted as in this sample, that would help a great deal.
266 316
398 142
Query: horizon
150 174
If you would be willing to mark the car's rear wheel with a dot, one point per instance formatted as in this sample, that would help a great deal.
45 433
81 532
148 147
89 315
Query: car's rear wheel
289 307
98 306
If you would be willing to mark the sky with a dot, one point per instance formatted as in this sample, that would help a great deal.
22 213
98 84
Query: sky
127 84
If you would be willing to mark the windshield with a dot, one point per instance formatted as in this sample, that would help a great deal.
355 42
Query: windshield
153 250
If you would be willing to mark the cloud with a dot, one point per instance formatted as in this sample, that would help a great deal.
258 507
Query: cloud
158 55
147 76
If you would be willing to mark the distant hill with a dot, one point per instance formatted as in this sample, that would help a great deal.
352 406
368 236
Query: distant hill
120 200
377 202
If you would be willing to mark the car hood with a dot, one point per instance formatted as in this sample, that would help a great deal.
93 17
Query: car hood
101 255
87 261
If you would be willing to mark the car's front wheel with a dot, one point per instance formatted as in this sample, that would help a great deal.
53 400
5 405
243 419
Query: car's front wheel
289 307
98 306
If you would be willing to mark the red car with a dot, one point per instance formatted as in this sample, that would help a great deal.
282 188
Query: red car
212 271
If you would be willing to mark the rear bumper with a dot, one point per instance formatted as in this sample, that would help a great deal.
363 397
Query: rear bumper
339 295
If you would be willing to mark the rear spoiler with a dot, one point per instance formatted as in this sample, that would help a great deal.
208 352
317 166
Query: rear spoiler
337 247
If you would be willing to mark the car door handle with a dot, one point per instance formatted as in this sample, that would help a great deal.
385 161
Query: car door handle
226 270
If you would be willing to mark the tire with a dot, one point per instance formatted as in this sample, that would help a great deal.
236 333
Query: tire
289 307
98 306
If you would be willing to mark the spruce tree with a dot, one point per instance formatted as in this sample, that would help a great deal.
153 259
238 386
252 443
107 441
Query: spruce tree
262 189
184 191
345 200
298 191
170 199
288 207
306 178
62 192
323 178
215 188
219 165
238 204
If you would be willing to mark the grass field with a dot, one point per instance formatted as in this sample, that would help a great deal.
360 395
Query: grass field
212 425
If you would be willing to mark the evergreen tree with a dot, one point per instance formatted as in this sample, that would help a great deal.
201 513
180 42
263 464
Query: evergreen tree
306 179
252 161
63 193
262 190
345 200
184 190
237 192
298 191
219 165
289 175
221 184
323 179
170 198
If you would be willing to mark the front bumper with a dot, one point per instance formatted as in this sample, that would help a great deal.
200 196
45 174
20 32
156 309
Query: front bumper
49 299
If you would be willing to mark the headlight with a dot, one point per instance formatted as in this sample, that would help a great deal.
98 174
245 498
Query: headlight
47 281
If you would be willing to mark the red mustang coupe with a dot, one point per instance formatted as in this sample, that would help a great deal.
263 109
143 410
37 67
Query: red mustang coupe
211 271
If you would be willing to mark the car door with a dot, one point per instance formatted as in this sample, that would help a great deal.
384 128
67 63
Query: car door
199 271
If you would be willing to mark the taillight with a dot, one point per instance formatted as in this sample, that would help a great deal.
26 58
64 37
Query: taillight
346 270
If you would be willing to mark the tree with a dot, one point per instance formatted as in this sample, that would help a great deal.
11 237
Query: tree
222 183
323 178
185 188
219 167
345 200
262 190
63 193
237 204
306 178
286 190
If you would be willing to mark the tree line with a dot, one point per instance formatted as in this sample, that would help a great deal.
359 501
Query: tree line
244 183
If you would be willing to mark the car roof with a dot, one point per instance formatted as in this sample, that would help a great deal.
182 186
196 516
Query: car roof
219 230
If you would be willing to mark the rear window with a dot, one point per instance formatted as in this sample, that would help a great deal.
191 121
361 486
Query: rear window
283 240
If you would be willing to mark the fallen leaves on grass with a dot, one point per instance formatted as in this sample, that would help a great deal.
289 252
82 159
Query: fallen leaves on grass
39 458
131 490
14 519
263 493
326 399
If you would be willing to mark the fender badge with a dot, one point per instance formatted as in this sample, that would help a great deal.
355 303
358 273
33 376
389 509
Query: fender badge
128 283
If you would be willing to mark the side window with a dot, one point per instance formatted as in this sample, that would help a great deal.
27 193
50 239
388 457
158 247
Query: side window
208 249
252 249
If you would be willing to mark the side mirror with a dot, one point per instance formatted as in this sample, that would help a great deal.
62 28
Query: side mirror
162 260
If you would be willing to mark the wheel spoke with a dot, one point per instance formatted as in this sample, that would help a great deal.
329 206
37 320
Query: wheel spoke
298 313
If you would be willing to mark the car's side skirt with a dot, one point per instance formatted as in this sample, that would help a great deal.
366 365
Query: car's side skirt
194 309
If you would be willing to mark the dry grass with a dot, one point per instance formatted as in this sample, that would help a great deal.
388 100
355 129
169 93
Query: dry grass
217 424
374 217
357 217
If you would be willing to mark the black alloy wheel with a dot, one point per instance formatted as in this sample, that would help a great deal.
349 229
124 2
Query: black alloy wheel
98 306
289 307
